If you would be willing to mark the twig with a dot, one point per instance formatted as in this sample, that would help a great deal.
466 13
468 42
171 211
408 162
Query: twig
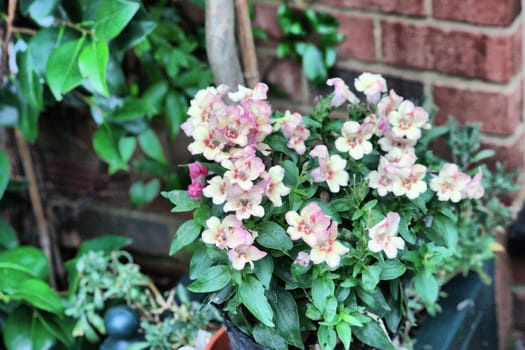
4 68
245 35
23 30
220 43
36 200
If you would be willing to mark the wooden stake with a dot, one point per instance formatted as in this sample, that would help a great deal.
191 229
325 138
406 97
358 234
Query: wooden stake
246 44
220 43
36 201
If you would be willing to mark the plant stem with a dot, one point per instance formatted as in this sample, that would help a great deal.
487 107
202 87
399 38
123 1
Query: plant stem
4 67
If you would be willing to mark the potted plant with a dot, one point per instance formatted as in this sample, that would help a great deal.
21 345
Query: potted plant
331 228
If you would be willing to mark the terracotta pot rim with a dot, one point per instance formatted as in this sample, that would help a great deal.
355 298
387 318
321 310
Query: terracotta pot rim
216 339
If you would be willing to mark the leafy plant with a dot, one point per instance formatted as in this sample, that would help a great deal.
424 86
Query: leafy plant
78 54
310 37
343 228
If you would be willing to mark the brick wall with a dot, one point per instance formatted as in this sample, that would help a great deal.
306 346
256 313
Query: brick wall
464 56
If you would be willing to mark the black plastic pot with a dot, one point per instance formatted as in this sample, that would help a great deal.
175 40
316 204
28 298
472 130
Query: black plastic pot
468 320
240 340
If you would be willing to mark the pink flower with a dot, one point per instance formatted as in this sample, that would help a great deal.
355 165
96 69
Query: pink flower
388 104
195 190
408 120
311 223
258 93
206 102
208 142
409 181
331 169
216 190
303 259
293 129
372 85
244 203
226 234
196 169
474 188
450 183
355 139
391 141
380 180
382 236
380 125
235 125
342 93
243 171
275 189
328 249
243 254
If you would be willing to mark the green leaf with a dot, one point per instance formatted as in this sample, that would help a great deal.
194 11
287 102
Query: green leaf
106 144
392 269
93 63
139 28
202 214
8 236
273 236
38 9
370 276
150 144
5 170
213 279
38 294
126 147
62 71
326 337
176 107
33 259
186 234
486 153
113 16
154 95
291 175
105 243
286 316
322 289
200 262
374 335
313 64
132 109
29 81
267 337
251 293
446 228
426 286
181 199
12 275
263 270
42 44
142 194
344 332
22 330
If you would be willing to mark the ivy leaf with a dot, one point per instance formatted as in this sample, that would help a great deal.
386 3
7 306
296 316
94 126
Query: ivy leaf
8 236
112 17
92 62
141 193
273 236
150 144
186 234
29 82
176 107
251 293
181 199
213 279
313 63
24 331
62 71
5 170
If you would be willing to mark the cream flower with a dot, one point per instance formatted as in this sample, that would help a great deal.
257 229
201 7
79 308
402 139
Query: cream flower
450 183
328 249
355 139
409 181
245 254
275 188
331 169
382 236
372 85
342 93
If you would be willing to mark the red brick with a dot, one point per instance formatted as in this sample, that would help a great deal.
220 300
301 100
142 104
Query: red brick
457 52
488 12
511 155
266 19
359 37
499 113
518 296
285 73
405 7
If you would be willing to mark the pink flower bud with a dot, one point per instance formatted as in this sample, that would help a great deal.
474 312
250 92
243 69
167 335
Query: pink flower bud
197 169
195 190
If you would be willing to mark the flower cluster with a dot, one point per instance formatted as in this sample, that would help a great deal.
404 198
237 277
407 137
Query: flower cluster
298 204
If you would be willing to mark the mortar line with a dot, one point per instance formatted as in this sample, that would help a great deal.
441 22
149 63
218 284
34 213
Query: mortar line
378 39
445 25
500 140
